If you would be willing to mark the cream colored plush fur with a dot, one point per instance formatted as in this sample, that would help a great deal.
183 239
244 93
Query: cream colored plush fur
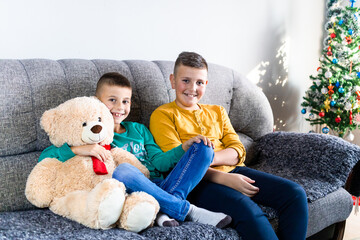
72 189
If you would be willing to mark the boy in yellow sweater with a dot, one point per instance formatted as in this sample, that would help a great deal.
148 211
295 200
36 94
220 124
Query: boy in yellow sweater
228 185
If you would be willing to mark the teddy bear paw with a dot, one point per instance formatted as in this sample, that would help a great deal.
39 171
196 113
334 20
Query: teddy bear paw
111 207
139 217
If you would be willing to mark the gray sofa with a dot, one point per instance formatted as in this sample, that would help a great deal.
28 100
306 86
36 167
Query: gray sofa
31 86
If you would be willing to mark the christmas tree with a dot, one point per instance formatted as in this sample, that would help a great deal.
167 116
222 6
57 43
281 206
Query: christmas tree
334 98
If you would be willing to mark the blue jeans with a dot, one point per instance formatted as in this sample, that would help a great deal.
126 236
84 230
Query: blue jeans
285 196
172 191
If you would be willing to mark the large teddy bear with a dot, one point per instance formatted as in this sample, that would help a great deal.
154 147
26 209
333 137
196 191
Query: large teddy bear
82 188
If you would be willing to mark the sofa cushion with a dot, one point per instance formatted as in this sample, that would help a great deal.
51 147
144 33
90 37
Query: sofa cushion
320 163
17 120
43 224
334 207
14 171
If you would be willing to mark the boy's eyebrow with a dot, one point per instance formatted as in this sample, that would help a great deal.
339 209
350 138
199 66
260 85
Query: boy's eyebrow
113 96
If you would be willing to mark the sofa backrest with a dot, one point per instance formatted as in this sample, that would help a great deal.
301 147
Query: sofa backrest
31 86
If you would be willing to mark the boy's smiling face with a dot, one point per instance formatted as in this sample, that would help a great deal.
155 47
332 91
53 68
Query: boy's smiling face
118 101
190 85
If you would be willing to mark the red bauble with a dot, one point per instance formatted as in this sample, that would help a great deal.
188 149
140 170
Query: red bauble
333 35
338 120
329 53
321 114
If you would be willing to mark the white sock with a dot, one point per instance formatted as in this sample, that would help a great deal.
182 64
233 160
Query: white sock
163 220
202 215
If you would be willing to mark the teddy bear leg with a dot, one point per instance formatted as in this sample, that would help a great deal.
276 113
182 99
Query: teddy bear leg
99 208
139 212
40 183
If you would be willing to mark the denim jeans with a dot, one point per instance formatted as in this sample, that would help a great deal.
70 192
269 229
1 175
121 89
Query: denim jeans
172 191
286 197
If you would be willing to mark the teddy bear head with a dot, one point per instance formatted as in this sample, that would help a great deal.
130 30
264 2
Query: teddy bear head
79 121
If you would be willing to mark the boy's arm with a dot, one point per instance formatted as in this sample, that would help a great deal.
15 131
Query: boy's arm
163 161
232 142
163 130
62 153
228 156
65 152
235 181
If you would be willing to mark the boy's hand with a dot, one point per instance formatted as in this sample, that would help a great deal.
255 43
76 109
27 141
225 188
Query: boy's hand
186 145
94 150
242 184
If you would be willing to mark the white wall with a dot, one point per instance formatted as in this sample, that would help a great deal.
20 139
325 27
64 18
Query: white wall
276 43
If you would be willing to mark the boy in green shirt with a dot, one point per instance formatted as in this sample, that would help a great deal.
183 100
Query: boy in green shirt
114 90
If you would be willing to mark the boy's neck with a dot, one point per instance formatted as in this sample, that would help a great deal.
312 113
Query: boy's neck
119 128
193 107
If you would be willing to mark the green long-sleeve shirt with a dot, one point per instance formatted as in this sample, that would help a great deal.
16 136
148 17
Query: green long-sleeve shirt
138 140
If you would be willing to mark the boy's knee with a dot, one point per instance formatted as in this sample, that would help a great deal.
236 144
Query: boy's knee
123 171
298 192
206 151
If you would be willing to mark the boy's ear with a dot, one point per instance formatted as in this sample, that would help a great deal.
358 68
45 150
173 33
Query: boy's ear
172 80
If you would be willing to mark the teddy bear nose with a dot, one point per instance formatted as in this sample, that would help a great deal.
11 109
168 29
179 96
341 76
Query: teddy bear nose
96 129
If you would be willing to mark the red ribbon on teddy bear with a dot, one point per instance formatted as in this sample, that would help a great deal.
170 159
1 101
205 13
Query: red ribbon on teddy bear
99 166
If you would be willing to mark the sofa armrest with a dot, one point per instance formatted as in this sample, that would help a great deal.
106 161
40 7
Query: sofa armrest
320 163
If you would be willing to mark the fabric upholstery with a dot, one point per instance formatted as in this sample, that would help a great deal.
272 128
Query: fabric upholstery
43 224
320 163
335 207
31 86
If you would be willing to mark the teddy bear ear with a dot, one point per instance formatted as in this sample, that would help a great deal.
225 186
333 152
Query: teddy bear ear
47 120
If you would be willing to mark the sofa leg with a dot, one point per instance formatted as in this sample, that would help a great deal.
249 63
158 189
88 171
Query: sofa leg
339 230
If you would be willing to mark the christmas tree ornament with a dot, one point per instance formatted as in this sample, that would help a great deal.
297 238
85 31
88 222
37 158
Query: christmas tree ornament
325 130
327 105
303 111
328 74
338 119
331 91
348 40
334 96
352 3
356 118
350 137
348 106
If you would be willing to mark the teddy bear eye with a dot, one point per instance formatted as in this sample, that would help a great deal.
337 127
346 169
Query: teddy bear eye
84 124
99 119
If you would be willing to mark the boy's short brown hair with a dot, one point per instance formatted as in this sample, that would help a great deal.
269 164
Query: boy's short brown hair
190 59
112 79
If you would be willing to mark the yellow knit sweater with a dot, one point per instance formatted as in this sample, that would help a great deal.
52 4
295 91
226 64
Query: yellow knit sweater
172 126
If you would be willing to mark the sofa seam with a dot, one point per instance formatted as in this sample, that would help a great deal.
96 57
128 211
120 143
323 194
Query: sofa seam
65 76
32 102
164 78
97 69
136 87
